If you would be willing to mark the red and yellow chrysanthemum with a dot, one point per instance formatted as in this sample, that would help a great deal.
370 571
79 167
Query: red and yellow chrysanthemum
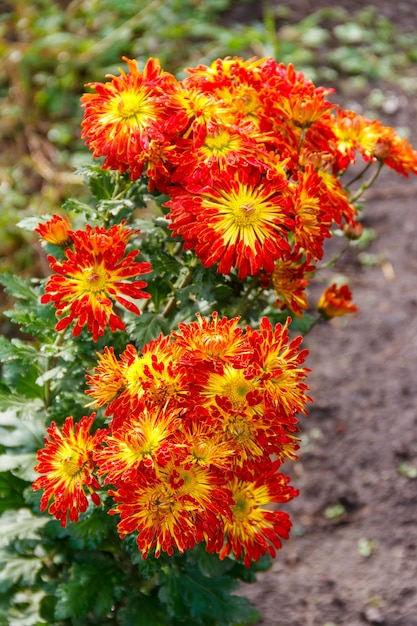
336 301
242 223
96 273
290 279
68 469
56 230
173 509
125 114
254 529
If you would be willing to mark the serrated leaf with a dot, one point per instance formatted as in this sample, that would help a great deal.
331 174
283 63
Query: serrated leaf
22 524
207 599
12 403
20 429
16 349
94 586
22 464
148 326
32 222
18 287
37 319
91 531
210 599
25 609
15 568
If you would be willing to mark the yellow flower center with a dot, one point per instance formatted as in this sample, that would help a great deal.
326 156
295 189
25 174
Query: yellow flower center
131 105
200 450
237 393
242 507
72 465
94 280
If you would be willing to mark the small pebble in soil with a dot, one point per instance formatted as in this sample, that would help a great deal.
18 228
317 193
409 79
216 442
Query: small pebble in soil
373 615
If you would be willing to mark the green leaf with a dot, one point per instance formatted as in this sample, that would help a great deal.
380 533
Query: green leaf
21 463
93 586
11 491
18 288
22 430
90 532
207 599
21 524
148 326
142 610
16 349
17 569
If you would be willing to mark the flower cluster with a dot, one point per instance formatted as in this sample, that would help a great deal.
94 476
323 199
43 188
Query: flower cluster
251 155
199 424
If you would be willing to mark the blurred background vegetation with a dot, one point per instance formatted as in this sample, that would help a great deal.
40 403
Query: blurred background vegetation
50 49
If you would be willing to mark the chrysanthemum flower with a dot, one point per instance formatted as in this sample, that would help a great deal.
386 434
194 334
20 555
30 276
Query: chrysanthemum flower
218 339
126 114
279 362
140 441
95 273
56 230
336 301
304 104
108 380
312 217
242 223
168 510
196 415
254 530
68 469
289 280
218 146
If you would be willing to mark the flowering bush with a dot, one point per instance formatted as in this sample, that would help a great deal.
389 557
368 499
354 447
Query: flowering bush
164 356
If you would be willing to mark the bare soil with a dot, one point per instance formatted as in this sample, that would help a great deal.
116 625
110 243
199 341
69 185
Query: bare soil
352 557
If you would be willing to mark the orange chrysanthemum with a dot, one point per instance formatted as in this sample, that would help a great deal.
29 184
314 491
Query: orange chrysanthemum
94 274
253 529
68 469
56 230
218 339
289 280
242 223
171 510
336 301
138 443
279 362
126 114
374 141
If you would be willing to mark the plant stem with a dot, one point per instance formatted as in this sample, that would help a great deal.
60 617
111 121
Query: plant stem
367 183
172 302
358 176
335 257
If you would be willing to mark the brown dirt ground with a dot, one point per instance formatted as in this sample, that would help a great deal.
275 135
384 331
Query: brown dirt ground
360 440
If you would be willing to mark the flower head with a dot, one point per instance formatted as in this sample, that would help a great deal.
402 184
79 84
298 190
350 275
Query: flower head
242 223
68 469
253 530
289 280
171 509
95 274
56 230
336 301
125 114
